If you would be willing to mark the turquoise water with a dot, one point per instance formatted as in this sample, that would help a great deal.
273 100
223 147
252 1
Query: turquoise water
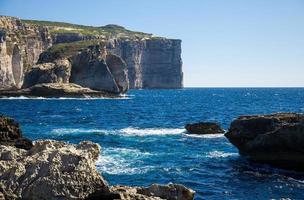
143 140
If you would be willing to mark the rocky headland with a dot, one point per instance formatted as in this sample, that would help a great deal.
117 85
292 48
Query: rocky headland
110 59
48 169
275 139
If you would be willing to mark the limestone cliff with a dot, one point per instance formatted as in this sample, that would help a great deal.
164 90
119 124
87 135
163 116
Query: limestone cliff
152 62
20 47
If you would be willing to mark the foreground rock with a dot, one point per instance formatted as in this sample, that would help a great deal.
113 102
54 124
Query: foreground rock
204 128
155 191
275 139
57 170
53 170
11 135
50 170
56 90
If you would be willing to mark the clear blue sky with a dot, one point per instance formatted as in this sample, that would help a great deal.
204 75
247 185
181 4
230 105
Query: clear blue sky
225 43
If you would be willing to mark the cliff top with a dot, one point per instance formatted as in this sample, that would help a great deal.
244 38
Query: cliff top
65 50
107 31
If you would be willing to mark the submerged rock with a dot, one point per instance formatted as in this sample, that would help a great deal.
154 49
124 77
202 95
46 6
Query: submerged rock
10 134
275 139
204 128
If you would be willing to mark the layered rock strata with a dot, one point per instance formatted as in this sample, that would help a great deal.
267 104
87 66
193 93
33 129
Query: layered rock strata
151 62
20 47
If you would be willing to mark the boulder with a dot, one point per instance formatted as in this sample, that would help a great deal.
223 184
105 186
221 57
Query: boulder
50 170
153 192
275 139
204 128
58 71
10 134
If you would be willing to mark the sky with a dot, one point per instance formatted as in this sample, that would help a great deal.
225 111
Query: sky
235 43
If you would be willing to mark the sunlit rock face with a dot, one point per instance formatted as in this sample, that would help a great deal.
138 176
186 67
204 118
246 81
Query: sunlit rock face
150 62
20 47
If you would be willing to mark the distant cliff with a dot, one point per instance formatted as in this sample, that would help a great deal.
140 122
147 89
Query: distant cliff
150 62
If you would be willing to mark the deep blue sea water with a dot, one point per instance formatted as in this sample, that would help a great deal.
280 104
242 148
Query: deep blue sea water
143 140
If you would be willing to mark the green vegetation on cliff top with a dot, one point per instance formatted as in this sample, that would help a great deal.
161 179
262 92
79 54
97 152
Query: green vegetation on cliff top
66 49
108 31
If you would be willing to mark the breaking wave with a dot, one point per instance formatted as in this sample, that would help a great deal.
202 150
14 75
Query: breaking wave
130 131
220 154
122 161
220 135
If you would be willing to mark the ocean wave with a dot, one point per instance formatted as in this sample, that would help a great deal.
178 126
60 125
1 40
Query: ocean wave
151 131
220 154
220 135
67 131
120 161
21 98
129 131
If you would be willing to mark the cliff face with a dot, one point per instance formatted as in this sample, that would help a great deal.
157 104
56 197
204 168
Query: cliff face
20 47
151 62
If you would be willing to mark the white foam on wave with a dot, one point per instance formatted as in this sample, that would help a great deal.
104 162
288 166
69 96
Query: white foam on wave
206 136
21 98
122 161
67 131
129 131
151 131
219 154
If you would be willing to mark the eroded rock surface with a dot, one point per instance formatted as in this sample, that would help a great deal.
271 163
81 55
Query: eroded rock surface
11 135
275 139
50 170
58 71
204 128
20 47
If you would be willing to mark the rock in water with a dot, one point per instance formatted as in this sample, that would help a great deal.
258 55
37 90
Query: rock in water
275 139
10 134
204 128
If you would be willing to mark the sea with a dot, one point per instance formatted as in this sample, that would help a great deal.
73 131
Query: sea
143 139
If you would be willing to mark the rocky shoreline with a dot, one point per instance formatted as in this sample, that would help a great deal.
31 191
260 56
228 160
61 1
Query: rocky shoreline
275 139
48 169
